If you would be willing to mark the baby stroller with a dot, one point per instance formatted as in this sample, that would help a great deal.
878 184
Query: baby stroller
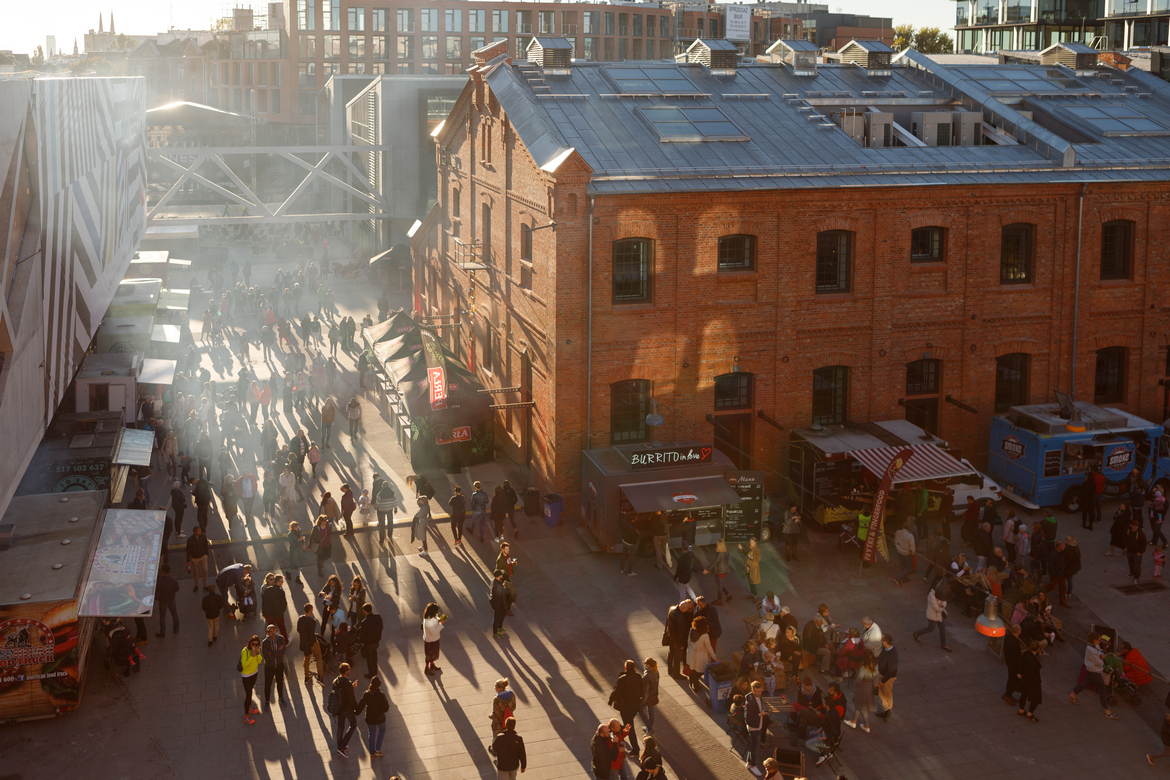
1133 676
121 652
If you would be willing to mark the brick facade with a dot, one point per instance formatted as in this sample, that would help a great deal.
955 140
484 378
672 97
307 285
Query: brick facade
769 321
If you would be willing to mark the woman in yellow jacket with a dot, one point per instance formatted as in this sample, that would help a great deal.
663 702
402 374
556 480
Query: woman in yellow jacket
248 666
751 565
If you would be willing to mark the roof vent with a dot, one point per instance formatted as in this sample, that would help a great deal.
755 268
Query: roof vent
720 56
553 55
1073 55
801 55
874 56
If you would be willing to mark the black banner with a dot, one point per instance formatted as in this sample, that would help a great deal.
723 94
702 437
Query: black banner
743 521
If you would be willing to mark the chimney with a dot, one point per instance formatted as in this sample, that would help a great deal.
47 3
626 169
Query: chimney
488 53
101 28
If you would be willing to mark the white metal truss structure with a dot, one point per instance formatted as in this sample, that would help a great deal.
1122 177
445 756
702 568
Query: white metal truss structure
259 212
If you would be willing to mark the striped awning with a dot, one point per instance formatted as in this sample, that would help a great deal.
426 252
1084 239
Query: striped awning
927 462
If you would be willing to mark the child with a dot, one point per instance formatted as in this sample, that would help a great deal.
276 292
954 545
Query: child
363 503
1159 561
314 457
342 641
248 600
767 670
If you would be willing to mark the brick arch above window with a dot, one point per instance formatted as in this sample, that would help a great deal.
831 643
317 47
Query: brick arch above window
1127 340
730 225
1025 216
936 352
921 219
838 222
827 358
1127 213
627 228
1010 346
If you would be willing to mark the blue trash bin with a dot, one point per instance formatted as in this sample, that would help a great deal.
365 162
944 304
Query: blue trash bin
554 504
720 680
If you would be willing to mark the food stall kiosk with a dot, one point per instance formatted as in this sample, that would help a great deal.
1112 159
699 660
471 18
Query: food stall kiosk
834 470
107 383
125 334
698 487
1041 453
135 298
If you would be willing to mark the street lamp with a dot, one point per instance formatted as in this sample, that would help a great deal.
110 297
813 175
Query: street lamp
989 623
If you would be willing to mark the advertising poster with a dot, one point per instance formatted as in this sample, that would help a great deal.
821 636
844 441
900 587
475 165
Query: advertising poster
875 541
739 23
124 568
40 646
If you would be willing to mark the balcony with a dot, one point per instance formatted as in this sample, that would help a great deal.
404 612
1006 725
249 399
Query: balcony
524 29
623 30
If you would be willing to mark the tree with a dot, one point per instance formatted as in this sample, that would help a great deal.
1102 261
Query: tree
931 40
903 36
38 57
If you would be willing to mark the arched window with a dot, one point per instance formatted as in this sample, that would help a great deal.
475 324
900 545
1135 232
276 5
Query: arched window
830 402
1011 381
737 253
926 245
733 391
632 268
629 403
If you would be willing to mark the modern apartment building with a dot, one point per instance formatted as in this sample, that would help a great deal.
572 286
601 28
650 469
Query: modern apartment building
993 25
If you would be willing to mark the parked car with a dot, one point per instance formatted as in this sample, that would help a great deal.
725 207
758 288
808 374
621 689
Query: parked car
977 485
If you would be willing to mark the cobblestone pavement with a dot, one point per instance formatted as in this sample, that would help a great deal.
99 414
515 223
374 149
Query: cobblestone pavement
576 621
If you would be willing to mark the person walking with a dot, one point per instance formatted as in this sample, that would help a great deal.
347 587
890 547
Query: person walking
864 686
887 674
321 542
751 565
503 706
457 505
178 506
273 649
755 716
289 492
327 416
248 666
1072 563
433 621
660 534
936 614
603 751
197 550
721 567
307 640
508 747
1031 695
649 694
296 551
627 698
1014 648
630 541
1094 666
353 413
906 546
675 635
499 512
479 508
247 487
499 602
1118 530
1135 548
348 506
164 600
376 705
1165 741
369 632
274 603
700 653
790 531
683 572
419 523
510 499
345 722
385 502
201 495
212 606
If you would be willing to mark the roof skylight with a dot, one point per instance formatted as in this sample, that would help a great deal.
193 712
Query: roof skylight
651 80
678 125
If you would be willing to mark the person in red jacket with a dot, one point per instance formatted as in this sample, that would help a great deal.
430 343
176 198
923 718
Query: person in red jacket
348 505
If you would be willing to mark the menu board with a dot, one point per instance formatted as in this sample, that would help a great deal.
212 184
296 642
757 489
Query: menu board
707 513
1052 463
743 521
830 478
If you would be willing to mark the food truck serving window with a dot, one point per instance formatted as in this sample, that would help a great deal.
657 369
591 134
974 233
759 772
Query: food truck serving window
680 494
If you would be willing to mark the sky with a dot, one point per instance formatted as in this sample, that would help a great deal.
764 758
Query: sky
27 23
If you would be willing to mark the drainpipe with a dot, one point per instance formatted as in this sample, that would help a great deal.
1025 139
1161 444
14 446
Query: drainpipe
589 337
1077 287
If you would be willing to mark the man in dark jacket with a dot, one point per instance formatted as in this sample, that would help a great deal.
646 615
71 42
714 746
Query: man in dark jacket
201 493
212 607
164 600
369 633
1056 572
813 641
712 615
499 602
273 649
981 542
675 635
627 698
1135 548
887 673
273 605
197 551
683 570
509 749
178 505
347 713
1013 648
1088 499
307 640
603 752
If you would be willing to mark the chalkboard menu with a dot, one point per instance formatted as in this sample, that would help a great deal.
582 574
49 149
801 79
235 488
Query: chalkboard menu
743 521
707 513
830 479
1052 463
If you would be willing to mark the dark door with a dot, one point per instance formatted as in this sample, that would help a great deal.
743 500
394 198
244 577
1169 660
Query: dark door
733 437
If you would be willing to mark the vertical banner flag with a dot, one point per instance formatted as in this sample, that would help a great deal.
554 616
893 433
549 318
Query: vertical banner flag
876 540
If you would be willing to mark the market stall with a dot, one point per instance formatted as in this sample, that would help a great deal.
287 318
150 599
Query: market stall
434 401
86 451
46 544
695 485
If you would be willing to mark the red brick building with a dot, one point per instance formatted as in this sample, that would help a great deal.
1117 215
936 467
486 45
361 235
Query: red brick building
770 251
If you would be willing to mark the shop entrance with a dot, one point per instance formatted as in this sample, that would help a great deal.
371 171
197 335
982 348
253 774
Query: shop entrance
733 437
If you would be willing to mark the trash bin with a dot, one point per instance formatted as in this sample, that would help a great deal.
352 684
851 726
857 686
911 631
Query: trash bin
719 679
532 502
554 504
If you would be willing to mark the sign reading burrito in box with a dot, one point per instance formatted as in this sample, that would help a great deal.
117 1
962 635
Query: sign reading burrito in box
670 456
124 567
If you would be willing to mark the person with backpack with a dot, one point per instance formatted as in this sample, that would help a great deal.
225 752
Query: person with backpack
627 698
376 705
503 706
342 705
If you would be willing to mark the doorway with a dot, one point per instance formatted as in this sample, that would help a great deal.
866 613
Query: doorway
733 437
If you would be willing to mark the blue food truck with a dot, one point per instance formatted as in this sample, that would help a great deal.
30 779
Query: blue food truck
1041 454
